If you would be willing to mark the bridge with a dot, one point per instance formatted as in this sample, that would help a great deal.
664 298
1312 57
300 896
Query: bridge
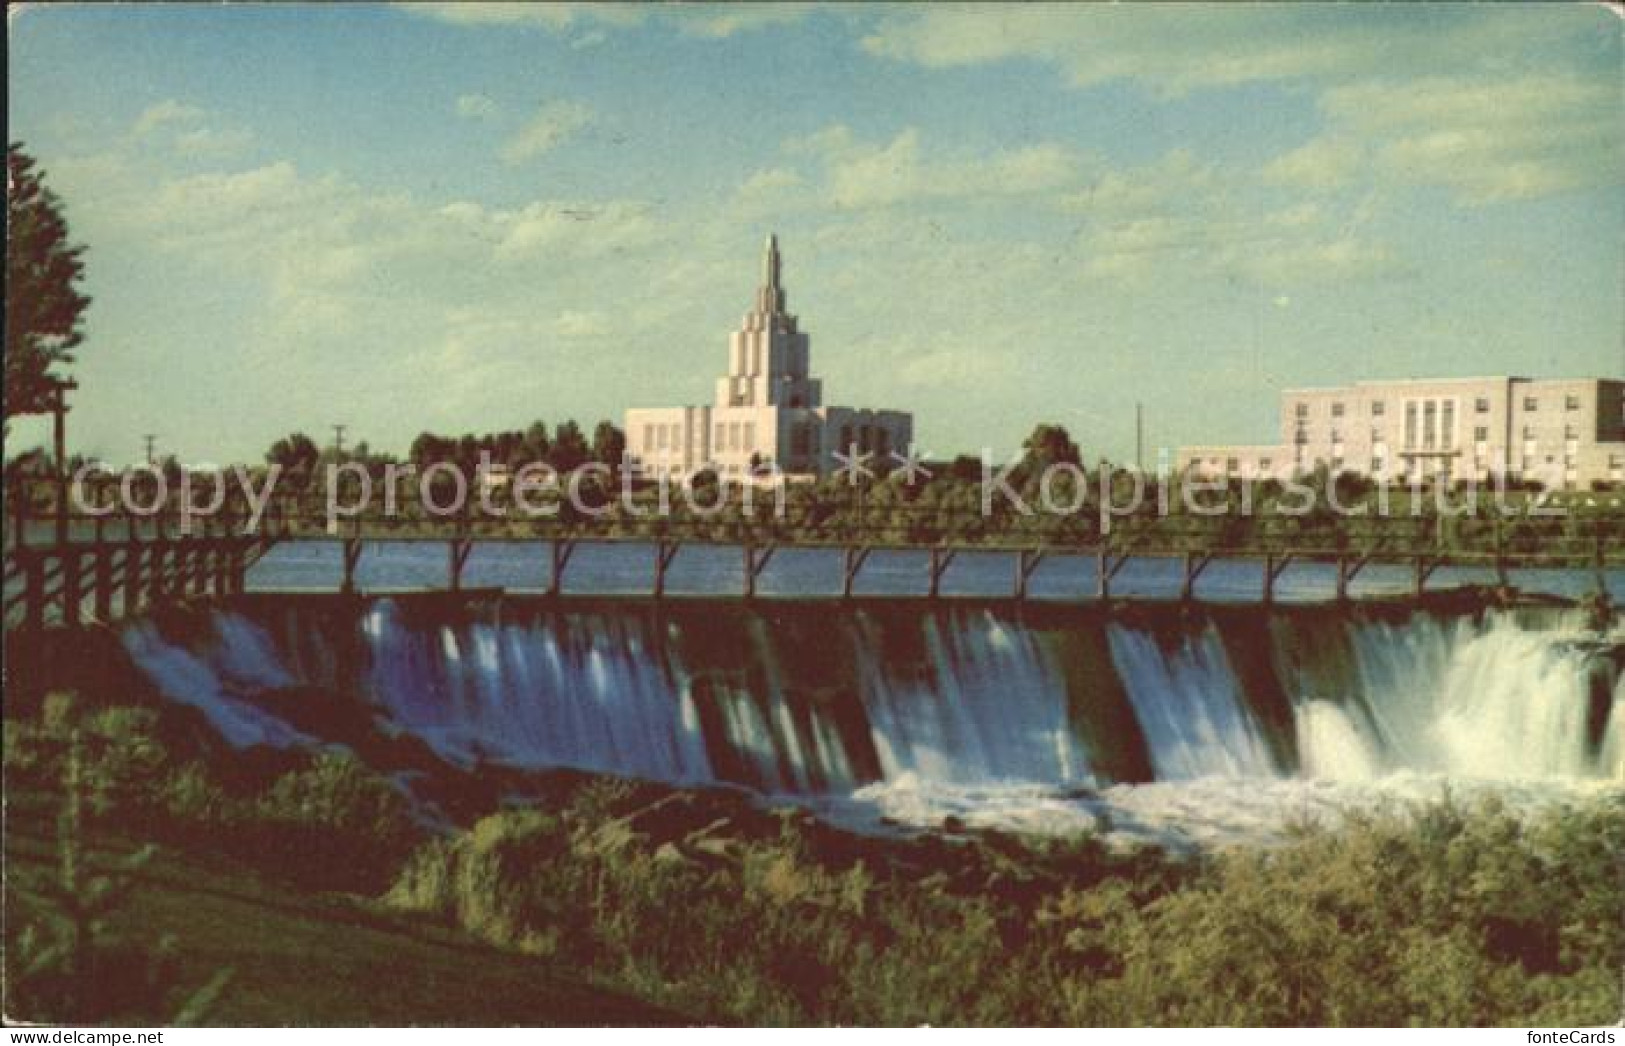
74 567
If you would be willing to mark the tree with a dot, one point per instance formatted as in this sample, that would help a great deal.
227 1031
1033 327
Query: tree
608 444
298 455
1050 445
43 305
569 450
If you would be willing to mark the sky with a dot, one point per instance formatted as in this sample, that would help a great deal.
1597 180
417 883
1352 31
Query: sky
467 217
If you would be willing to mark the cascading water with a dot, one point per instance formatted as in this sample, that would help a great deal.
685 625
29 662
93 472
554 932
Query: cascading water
972 700
1190 705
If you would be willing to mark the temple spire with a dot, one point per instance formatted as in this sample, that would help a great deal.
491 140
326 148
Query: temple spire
770 300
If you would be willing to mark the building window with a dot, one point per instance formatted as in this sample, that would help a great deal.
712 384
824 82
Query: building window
648 437
1447 424
1571 403
1481 433
750 435
1482 405
1430 425
1377 408
1264 464
1337 410
1412 412
1570 432
1231 464
1531 403
1302 411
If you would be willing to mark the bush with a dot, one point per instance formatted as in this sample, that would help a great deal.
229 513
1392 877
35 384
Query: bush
1433 917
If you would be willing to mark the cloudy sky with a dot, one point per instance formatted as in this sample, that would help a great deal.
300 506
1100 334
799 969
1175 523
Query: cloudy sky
466 217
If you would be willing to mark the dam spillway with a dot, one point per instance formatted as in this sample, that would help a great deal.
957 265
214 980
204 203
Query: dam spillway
807 698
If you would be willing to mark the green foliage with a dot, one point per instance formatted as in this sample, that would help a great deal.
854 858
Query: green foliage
1442 915
44 309
64 963
326 821
297 454
1431 918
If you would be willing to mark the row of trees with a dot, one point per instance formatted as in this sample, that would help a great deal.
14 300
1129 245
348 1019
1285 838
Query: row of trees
565 448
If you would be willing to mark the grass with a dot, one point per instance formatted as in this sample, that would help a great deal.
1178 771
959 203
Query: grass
307 958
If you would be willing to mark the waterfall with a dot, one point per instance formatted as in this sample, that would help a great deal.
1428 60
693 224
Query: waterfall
812 699
1190 705
980 703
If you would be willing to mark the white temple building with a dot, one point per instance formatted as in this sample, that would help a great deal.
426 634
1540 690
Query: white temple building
769 409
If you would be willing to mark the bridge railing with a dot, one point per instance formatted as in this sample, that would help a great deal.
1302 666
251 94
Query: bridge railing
115 559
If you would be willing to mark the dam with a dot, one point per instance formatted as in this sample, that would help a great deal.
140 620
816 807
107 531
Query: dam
979 704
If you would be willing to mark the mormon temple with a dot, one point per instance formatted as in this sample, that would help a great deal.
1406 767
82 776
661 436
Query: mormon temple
769 409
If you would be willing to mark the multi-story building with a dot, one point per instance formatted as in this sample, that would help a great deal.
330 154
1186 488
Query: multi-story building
1564 433
769 408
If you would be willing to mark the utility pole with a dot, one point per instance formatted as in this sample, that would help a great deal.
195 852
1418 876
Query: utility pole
151 439
338 440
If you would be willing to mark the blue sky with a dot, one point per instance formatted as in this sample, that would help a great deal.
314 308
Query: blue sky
463 218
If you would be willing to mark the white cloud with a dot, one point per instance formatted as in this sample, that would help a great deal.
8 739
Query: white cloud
718 21
554 17
166 114
861 174
552 125
1181 46
1488 140
210 142
1485 140
187 131
1324 163
476 107
713 21
1178 218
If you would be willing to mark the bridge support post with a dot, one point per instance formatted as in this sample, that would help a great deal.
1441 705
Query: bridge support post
1424 569
1502 578
72 591
853 561
352 559
665 552
1274 567
756 560
104 580
222 564
34 587
1027 561
1195 563
562 549
457 558
131 595
941 558
1342 579
239 567
202 551
157 552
